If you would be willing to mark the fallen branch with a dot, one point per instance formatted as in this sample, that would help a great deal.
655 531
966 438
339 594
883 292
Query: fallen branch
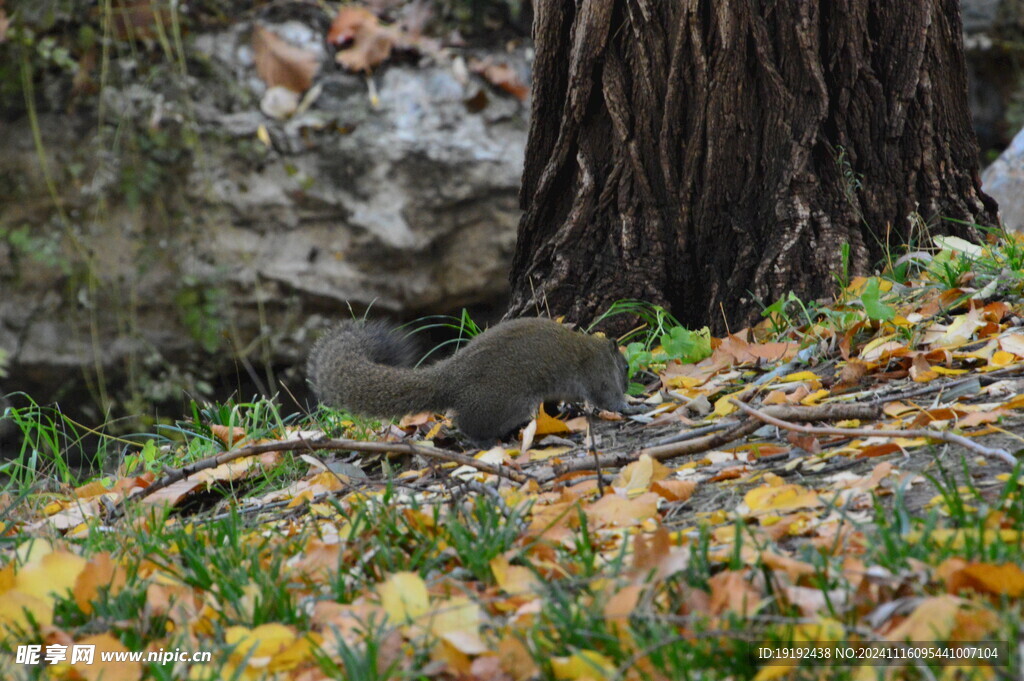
940 435
177 474
827 412
911 391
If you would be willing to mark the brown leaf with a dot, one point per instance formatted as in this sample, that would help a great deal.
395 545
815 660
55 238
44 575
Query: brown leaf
502 76
735 350
808 443
731 592
282 64
366 43
852 373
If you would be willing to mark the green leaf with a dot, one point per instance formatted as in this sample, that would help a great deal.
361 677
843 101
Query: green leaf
873 305
685 345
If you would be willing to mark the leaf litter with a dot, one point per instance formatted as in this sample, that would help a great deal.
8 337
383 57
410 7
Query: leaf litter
747 504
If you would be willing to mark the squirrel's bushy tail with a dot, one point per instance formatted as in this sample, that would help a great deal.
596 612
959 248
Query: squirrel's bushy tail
366 367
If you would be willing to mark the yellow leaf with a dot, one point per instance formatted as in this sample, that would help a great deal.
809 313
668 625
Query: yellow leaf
404 597
815 397
299 651
874 349
457 621
807 376
263 136
548 452
780 498
948 372
960 331
675 382
513 579
639 475
585 664
13 605
112 670
857 284
1002 358
724 405
261 644
932 620
549 425
54 573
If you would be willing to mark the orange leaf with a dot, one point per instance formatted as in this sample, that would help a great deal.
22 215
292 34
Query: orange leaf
110 670
730 591
883 449
228 436
100 571
367 42
674 490
1005 579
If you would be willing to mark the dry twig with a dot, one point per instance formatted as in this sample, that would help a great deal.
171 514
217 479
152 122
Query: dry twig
177 474
941 435
828 412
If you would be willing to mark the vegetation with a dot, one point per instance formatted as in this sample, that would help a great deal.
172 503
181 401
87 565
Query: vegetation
291 565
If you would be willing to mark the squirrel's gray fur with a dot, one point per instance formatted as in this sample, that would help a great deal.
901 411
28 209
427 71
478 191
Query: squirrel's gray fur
493 384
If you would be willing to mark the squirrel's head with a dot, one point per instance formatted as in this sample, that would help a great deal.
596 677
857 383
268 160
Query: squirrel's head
611 376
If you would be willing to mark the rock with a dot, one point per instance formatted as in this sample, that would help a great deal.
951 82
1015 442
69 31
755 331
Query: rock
178 261
992 28
1004 182
10 439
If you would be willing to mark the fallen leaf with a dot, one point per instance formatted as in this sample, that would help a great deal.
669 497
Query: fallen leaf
639 475
404 597
674 490
1004 579
549 425
280 63
366 43
613 510
582 665
107 670
501 76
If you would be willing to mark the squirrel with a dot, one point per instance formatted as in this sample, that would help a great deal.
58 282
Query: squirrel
493 384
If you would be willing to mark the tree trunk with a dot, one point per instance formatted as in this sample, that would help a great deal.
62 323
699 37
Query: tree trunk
706 155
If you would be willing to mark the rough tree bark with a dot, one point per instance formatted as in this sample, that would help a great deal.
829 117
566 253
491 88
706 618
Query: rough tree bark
700 154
